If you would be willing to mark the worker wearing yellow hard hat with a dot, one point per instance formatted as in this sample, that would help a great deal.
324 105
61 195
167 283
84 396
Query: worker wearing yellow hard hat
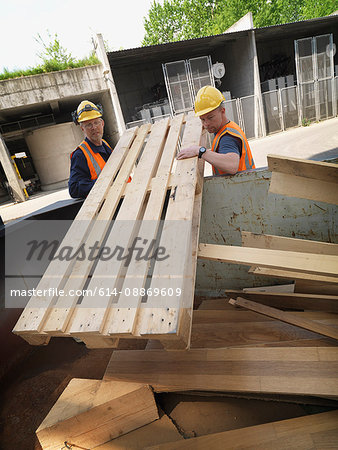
230 151
89 158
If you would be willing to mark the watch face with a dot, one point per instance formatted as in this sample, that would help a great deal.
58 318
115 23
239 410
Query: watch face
202 150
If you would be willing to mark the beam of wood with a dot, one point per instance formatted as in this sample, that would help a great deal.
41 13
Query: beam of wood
285 370
301 262
292 275
91 412
154 319
313 302
317 170
316 431
300 187
122 315
13 179
287 317
255 240
33 317
312 286
90 316
62 310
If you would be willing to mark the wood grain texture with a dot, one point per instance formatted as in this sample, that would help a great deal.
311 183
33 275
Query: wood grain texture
324 330
313 302
317 431
91 412
276 259
297 370
317 170
289 244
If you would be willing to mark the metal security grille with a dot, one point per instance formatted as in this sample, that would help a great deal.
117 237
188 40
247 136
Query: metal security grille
249 117
200 71
272 113
290 112
177 82
184 78
315 75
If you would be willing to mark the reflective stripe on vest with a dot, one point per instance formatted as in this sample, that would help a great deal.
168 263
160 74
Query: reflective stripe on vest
246 160
94 160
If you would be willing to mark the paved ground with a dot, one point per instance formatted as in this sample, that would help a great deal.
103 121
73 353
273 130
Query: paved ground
318 141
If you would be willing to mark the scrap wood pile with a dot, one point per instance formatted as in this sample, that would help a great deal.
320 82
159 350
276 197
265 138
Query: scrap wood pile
272 344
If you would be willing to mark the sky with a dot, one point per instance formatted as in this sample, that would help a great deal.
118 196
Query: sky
75 22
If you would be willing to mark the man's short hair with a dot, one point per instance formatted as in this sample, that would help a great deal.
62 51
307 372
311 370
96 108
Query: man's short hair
222 104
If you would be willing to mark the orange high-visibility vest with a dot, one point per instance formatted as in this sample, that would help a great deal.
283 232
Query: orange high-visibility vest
246 161
94 160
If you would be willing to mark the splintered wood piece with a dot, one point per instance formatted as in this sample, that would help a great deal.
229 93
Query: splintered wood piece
282 370
161 315
121 319
314 302
255 240
61 312
287 317
303 262
317 170
57 272
91 412
315 431
90 316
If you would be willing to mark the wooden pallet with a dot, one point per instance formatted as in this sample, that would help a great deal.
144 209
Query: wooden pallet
161 187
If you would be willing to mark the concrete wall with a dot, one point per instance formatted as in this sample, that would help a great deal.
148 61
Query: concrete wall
50 149
237 57
50 86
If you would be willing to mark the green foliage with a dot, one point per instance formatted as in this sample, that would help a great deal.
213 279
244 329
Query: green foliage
306 122
54 57
175 20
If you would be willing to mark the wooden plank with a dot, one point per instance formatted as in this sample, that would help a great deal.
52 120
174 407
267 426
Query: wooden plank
32 318
154 319
274 288
90 316
317 170
239 327
91 412
185 320
316 431
301 262
61 312
287 317
313 302
300 187
122 315
285 370
158 432
292 275
312 286
289 244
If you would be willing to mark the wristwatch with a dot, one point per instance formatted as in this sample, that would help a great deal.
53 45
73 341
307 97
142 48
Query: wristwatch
201 152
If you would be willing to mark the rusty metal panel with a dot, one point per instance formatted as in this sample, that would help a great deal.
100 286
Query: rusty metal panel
243 203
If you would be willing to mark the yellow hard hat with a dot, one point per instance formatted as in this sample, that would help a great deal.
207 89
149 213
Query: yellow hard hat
87 111
207 99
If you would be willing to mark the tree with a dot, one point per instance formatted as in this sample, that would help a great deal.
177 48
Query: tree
176 20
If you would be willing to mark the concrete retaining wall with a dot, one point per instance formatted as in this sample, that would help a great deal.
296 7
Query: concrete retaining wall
51 86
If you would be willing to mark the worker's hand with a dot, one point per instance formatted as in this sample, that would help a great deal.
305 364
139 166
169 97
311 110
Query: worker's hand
189 152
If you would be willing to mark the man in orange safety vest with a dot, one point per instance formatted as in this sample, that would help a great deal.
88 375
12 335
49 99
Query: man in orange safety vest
230 151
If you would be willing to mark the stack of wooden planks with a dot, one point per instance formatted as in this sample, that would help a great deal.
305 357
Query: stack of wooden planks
150 226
